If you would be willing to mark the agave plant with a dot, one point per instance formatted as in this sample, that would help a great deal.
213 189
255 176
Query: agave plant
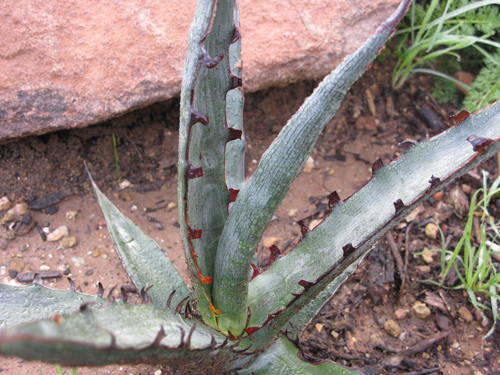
238 318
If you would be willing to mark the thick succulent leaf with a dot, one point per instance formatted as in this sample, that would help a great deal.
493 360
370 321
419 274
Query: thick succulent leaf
281 163
354 225
204 179
116 333
282 357
23 304
145 262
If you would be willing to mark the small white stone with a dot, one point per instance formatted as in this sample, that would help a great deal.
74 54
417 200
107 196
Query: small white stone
44 267
133 208
124 184
58 234
170 206
71 215
309 165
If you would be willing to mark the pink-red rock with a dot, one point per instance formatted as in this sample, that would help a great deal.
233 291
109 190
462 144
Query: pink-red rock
74 63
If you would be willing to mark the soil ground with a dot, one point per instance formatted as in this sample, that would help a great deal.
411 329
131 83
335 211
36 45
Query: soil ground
350 328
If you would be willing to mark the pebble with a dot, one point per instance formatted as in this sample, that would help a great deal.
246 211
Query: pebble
350 341
12 274
158 372
104 256
438 196
392 328
335 334
425 355
17 265
71 215
330 172
19 210
96 254
292 212
89 272
7 218
413 214
68 242
465 314
171 205
313 224
44 267
401 314
309 165
124 184
78 260
319 327
427 256
4 204
133 208
58 234
431 231
466 188
24 247
420 310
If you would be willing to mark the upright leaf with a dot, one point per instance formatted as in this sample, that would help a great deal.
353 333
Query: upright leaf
281 163
207 124
145 262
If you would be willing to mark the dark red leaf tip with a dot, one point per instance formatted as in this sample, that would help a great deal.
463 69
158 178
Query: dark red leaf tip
197 117
434 181
275 254
250 330
479 144
233 194
231 336
369 66
256 271
399 206
348 250
333 199
305 284
406 145
169 300
209 61
303 228
235 82
377 165
194 233
236 35
177 309
192 172
234 134
459 117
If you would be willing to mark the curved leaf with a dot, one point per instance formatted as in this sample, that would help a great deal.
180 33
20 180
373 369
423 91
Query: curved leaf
354 225
145 262
23 304
117 333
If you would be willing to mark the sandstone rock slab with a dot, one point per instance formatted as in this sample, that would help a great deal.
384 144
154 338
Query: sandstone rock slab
72 63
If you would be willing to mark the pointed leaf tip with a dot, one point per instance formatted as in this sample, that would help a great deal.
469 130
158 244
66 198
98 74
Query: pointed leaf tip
479 144
304 229
377 165
72 285
333 199
192 172
256 271
234 134
197 117
434 181
399 206
250 330
348 250
177 309
169 300
459 117
305 284
406 145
